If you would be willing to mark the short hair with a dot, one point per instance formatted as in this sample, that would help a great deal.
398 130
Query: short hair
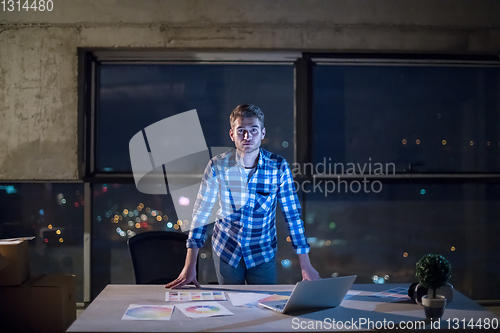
247 111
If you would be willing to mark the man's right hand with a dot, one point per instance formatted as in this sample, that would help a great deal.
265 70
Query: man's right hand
188 273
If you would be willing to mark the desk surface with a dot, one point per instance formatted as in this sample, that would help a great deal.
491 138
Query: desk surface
106 311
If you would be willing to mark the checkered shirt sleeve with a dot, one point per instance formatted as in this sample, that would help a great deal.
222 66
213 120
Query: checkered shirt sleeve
205 200
292 211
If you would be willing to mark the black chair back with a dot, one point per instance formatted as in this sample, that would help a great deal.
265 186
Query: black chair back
157 256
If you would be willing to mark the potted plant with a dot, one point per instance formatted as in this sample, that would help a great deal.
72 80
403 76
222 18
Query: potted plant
433 272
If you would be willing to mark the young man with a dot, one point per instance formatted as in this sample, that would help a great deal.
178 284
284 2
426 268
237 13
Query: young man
247 181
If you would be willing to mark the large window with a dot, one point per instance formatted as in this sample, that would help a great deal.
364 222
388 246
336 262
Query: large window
405 162
131 97
392 158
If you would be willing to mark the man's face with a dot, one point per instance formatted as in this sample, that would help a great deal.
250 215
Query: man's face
247 134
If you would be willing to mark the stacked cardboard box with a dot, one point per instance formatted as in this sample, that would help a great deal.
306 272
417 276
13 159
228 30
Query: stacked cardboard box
33 304
17 263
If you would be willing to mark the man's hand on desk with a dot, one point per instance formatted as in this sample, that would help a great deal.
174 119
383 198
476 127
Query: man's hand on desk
308 272
188 273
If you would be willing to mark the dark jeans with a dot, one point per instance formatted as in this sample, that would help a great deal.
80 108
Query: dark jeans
261 274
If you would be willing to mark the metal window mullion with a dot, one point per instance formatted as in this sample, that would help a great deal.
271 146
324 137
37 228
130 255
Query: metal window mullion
87 229
93 118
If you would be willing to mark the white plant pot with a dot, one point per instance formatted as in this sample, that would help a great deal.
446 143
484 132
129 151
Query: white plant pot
446 291
434 307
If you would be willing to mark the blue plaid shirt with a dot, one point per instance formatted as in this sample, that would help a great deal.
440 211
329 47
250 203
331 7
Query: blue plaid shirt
245 225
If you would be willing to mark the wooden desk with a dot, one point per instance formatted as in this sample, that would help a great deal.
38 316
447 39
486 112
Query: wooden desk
106 311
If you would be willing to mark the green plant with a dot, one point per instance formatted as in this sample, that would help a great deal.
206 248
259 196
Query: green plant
433 272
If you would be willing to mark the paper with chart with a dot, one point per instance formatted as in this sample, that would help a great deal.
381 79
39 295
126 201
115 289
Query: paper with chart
250 300
351 293
395 294
203 309
189 296
148 312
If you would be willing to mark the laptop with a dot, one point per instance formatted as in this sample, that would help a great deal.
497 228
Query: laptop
308 295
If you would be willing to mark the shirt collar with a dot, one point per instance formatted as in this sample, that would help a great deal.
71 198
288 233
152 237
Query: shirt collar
260 163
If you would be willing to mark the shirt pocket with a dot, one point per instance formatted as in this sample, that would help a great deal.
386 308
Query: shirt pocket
264 199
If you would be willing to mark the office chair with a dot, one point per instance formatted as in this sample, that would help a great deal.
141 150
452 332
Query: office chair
158 256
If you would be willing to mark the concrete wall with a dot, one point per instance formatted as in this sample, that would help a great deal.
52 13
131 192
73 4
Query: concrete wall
38 51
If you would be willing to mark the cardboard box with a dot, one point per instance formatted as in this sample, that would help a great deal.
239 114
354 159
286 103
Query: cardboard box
16 253
3 262
15 309
42 304
53 303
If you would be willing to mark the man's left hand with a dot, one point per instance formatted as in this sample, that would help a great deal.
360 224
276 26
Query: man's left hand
309 273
